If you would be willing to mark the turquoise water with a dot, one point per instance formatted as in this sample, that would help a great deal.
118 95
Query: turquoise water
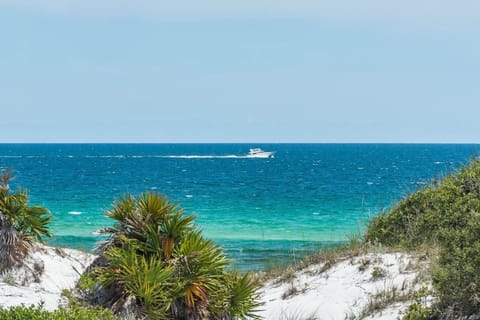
262 211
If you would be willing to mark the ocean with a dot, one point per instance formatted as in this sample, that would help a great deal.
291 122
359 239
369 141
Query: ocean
264 212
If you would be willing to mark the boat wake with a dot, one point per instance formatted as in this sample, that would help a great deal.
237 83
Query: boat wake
205 157
254 153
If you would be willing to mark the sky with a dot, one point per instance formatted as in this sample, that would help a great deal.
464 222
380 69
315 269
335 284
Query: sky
240 71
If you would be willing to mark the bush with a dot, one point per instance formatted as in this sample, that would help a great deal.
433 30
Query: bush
419 310
156 255
457 278
423 215
37 313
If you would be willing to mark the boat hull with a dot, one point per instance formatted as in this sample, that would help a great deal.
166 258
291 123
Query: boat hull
261 155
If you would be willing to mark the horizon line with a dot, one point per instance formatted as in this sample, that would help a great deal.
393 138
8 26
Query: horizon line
246 142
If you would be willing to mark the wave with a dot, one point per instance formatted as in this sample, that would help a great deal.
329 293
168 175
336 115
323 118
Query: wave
75 212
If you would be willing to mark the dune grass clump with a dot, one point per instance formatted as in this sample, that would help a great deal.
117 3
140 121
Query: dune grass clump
155 254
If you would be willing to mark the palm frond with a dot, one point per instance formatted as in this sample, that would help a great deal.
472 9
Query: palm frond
244 295
156 254
122 208
20 224
149 280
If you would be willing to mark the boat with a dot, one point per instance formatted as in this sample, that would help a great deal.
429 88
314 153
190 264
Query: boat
259 153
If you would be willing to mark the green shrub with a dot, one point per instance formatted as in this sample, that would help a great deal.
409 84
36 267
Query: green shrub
74 312
156 254
86 282
423 215
419 310
457 278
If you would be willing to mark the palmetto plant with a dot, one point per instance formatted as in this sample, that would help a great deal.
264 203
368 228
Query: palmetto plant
20 224
156 254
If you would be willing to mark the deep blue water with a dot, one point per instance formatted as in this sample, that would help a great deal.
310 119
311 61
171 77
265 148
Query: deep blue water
263 211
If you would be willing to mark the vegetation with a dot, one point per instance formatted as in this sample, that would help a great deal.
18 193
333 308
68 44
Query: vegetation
155 254
74 312
20 224
380 300
446 205
378 273
457 277
419 310
448 214
326 257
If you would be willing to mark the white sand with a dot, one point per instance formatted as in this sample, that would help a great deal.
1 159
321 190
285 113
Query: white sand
341 292
62 268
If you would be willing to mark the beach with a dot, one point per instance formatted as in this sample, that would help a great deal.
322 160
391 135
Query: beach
58 270
344 290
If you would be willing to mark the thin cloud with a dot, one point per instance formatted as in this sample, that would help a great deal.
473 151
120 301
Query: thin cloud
433 13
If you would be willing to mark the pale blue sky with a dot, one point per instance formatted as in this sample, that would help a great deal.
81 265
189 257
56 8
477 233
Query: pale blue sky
251 71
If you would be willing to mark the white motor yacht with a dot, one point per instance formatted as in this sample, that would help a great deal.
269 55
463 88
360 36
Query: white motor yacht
259 153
